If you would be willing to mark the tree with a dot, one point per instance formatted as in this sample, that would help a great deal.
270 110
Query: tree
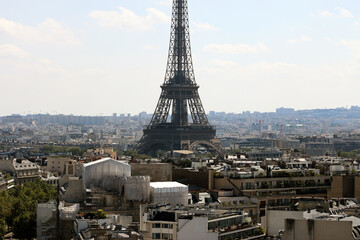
2 228
75 151
5 205
119 152
131 153
259 231
25 226
235 151
143 156
100 214
19 206
184 163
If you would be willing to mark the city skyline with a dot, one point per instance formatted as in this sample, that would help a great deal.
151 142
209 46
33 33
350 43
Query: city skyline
97 59
119 114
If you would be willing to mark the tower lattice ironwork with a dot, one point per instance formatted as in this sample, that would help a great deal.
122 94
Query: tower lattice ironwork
180 95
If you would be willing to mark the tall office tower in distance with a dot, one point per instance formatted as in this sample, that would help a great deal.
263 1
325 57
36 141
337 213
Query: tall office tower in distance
180 95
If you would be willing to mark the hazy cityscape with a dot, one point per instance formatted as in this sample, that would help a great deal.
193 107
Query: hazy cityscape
180 172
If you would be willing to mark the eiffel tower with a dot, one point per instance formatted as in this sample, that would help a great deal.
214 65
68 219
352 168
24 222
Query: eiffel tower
180 94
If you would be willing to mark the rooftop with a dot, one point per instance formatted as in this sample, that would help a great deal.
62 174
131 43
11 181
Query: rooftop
167 185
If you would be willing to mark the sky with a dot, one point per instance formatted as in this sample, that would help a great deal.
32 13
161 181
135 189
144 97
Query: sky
90 57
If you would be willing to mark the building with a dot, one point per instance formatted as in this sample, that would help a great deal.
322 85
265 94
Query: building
330 228
173 193
100 153
67 216
158 172
345 187
185 223
46 220
275 192
3 185
57 164
158 225
100 229
22 170
106 184
105 168
310 218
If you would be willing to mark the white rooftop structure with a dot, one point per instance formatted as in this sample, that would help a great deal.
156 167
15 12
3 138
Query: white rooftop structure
104 168
68 212
173 193
158 185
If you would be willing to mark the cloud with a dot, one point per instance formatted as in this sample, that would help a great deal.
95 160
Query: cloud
263 66
164 3
49 31
352 45
7 50
224 63
271 83
341 12
303 38
204 26
235 49
128 20
294 40
344 13
325 14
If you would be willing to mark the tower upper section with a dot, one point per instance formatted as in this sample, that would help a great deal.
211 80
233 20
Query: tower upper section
179 70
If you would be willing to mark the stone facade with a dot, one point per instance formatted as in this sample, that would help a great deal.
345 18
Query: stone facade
158 172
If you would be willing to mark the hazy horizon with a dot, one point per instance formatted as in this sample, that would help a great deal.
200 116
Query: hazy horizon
133 114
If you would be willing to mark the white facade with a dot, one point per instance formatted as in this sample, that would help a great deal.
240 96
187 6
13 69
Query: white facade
96 171
275 220
169 192
68 212
136 188
195 228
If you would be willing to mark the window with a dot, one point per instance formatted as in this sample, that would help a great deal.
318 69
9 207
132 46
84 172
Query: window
167 236
165 225
170 226
156 225
156 236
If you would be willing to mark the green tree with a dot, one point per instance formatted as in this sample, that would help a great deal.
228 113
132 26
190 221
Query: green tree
143 156
5 205
2 228
76 151
25 226
235 151
100 214
119 153
21 207
130 153
184 163
47 149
